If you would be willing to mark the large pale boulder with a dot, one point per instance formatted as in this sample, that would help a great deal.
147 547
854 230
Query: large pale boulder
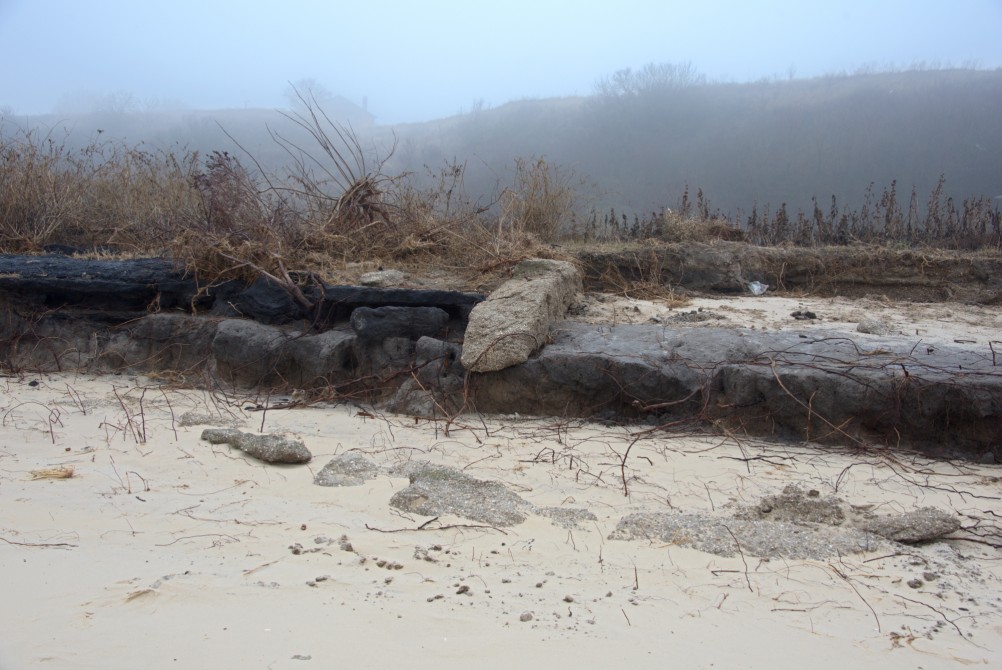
514 321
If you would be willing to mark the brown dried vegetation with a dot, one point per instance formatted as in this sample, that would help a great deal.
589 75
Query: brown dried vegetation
220 217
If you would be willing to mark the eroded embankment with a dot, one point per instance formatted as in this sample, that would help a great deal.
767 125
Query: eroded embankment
402 349
727 267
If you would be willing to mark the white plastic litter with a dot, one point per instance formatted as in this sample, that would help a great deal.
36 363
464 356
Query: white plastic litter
757 288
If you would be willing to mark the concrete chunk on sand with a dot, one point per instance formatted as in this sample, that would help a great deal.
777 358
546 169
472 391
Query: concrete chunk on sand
267 448
514 321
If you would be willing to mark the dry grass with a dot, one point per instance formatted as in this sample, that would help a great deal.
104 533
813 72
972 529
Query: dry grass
62 472
220 217
648 281
105 194
539 203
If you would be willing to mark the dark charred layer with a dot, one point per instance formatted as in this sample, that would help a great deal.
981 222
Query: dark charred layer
128 288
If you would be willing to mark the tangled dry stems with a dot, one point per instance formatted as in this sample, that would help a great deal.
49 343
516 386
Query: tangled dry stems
335 206
220 219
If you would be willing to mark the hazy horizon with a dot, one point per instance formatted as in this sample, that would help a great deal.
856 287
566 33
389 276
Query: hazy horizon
411 63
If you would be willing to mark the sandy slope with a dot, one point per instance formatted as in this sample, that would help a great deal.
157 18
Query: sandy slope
165 551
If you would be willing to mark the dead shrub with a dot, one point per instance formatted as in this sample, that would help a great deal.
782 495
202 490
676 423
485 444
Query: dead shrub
539 203
643 278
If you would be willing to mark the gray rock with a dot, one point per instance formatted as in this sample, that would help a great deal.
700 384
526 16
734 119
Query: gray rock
436 390
122 288
795 506
383 278
873 326
350 469
252 354
264 301
566 517
338 302
166 341
921 525
267 448
760 382
723 536
437 489
195 418
413 323
383 359
514 321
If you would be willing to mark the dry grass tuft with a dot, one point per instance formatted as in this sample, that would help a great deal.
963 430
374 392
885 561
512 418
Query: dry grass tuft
647 282
62 472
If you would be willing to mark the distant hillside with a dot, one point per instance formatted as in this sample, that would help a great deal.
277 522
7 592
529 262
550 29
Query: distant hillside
765 143
743 144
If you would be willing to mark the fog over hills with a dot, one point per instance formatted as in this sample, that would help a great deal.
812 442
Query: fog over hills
638 143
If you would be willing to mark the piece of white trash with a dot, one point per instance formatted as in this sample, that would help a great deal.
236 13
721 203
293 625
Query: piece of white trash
757 288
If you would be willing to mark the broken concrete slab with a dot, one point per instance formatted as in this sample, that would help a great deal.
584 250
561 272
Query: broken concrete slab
267 448
810 508
439 489
350 469
821 387
727 536
922 525
514 321
795 506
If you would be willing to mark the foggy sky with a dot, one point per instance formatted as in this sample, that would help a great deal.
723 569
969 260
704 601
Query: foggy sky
415 61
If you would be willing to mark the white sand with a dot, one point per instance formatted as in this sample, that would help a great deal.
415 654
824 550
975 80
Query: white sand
164 551
955 324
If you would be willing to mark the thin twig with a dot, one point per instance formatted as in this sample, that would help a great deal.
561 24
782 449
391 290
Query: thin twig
38 544
424 526
742 554
860 595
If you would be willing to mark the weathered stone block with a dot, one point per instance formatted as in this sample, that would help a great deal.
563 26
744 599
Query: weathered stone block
514 321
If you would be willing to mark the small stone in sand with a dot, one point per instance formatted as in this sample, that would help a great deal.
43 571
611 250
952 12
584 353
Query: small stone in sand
873 326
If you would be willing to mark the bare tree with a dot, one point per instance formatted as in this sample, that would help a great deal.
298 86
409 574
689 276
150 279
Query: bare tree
651 78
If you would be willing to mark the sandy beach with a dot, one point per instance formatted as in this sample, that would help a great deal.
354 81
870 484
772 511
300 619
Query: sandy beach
128 541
